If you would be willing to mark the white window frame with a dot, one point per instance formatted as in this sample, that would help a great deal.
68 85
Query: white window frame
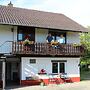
59 67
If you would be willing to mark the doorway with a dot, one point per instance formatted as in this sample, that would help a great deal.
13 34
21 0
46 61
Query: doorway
12 72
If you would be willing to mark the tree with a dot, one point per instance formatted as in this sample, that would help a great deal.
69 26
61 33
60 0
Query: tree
85 40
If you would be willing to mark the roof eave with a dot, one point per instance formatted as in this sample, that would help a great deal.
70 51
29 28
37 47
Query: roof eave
44 27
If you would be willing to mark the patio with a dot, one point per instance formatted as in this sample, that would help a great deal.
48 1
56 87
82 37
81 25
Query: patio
83 85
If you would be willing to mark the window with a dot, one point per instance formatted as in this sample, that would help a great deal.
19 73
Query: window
58 67
54 67
62 67
56 34
22 32
20 37
32 61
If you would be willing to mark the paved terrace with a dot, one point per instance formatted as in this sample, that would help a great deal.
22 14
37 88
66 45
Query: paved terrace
83 85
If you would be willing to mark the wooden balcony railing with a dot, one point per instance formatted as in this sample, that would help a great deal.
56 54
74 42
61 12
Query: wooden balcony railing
47 49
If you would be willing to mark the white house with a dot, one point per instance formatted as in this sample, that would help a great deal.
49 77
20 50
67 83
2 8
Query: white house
23 65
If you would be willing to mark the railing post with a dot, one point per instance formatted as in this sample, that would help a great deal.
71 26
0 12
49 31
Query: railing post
15 46
36 48
22 48
12 47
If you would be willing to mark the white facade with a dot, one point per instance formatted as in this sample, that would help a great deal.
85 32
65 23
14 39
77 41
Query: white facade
28 69
6 36
73 37
40 35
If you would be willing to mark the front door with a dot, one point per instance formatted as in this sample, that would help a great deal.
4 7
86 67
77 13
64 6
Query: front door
12 73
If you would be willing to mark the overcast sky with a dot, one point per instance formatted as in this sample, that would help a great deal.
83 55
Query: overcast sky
78 10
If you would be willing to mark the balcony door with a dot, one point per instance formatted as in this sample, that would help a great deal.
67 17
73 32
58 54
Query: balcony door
24 31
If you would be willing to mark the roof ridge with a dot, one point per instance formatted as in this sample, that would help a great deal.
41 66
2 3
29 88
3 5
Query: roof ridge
33 10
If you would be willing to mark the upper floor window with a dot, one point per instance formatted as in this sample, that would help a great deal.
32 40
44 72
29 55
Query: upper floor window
20 36
24 31
56 36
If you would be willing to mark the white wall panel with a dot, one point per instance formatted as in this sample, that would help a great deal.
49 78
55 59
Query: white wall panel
40 35
71 66
73 37
7 35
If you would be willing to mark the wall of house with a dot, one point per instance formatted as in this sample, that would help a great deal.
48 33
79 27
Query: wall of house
6 34
73 37
28 69
40 35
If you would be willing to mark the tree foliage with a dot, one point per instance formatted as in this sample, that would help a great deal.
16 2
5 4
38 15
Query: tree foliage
85 40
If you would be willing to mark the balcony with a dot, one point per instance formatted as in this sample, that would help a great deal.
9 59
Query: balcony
44 49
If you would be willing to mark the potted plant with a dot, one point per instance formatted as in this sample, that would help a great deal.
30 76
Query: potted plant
42 71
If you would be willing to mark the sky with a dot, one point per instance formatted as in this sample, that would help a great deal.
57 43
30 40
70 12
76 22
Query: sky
78 10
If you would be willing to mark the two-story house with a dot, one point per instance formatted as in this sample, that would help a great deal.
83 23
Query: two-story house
24 66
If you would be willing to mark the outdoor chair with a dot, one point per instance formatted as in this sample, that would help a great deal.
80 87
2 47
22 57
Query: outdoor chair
65 78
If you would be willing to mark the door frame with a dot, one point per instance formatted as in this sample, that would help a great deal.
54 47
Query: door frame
3 60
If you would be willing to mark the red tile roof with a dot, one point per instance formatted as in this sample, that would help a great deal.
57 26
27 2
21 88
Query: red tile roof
27 17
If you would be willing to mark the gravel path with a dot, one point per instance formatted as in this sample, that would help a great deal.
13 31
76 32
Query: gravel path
83 85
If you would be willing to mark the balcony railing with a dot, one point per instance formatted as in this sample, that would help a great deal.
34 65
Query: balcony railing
47 49
6 47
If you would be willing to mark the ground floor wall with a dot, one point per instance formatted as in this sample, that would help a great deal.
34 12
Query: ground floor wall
31 67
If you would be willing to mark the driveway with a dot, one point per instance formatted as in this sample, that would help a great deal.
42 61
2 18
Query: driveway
83 85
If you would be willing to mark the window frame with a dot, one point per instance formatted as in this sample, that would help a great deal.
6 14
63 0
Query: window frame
58 62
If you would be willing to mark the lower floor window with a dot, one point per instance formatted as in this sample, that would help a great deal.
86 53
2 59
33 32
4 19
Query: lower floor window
54 67
58 67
